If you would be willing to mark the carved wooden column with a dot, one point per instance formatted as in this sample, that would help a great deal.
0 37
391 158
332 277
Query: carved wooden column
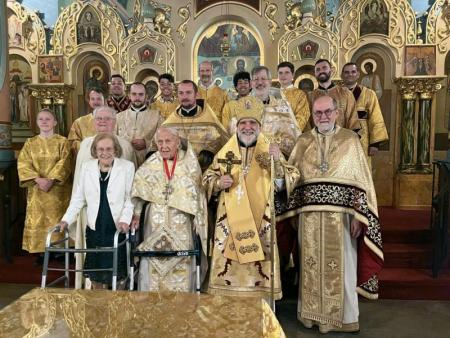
415 157
54 97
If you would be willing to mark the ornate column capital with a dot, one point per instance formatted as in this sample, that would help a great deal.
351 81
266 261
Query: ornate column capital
58 92
425 86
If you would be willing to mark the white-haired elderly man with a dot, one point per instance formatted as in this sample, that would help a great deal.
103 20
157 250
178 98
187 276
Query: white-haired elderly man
104 122
170 181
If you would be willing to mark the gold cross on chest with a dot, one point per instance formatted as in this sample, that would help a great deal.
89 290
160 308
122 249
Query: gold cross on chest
229 160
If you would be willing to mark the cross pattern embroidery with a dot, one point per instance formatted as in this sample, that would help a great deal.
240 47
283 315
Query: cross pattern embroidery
332 265
229 160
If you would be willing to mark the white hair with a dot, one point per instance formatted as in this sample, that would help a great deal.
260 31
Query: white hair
172 130
106 108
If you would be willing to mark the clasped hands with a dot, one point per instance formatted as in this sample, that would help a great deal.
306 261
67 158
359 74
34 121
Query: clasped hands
44 184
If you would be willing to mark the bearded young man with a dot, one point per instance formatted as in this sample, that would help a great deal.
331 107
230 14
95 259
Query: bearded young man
117 98
240 262
138 123
346 105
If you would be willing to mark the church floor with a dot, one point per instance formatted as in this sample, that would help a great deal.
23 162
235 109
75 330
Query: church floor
382 318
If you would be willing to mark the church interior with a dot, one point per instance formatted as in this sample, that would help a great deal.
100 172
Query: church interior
51 52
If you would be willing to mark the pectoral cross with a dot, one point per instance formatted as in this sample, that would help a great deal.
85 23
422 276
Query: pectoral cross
229 160
167 191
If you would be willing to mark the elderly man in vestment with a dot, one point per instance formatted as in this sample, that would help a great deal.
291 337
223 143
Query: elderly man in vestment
117 98
208 91
138 123
83 126
197 123
339 232
296 97
166 103
240 175
104 122
373 130
347 117
241 82
170 180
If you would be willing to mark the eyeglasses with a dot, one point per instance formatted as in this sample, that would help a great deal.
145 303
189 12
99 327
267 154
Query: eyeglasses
256 79
106 119
327 112
105 150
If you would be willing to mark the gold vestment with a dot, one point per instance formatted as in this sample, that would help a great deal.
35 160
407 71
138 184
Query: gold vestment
165 108
142 125
299 104
81 128
334 180
347 117
203 131
171 220
47 158
373 130
240 263
279 124
228 113
215 97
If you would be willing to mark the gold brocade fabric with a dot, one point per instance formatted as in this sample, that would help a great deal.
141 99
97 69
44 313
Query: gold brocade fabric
373 127
347 117
299 104
228 276
48 158
322 256
279 124
102 313
143 125
203 131
165 107
215 97
81 128
228 113
170 222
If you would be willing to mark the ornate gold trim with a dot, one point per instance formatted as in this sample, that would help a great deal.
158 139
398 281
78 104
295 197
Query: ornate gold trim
409 85
226 3
269 14
437 35
57 93
34 47
185 14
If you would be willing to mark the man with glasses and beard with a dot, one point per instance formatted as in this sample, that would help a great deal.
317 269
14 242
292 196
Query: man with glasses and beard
346 105
138 123
339 232
240 177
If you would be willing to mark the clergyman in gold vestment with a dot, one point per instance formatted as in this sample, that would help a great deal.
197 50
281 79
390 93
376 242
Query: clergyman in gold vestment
44 168
170 180
373 130
240 262
339 232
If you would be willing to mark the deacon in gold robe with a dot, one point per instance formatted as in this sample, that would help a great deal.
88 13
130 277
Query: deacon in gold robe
166 103
373 130
44 168
240 175
197 123
138 123
104 122
170 180
213 95
278 121
347 117
339 232
296 97
241 81
83 126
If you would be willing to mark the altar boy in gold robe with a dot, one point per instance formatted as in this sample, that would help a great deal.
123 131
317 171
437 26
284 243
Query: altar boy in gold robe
44 168
339 232
240 175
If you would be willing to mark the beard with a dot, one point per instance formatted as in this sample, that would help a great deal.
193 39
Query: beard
262 92
137 104
323 77
246 138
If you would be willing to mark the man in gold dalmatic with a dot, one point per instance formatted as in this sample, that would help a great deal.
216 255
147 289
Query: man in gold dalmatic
240 175
296 97
208 91
170 180
339 232
165 103
347 117
373 130
197 123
